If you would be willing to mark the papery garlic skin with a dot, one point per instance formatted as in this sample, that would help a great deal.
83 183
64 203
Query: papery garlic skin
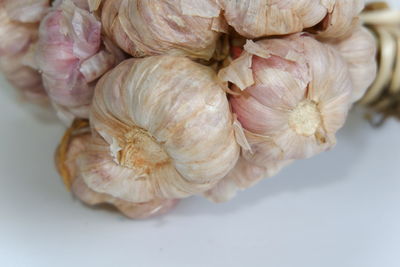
71 56
90 197
244 175
15 37
359 50
154 27
166 131
341 19
24 78
17 41
296 93
259 18
26 11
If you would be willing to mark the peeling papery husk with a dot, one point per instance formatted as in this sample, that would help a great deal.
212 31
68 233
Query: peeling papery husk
296 93
76 144
71 57
359 51
244 175
155 27
259 18
156 135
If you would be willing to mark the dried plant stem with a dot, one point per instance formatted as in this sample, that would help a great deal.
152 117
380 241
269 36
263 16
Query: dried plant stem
383 97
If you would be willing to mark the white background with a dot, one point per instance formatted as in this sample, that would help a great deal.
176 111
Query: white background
339 209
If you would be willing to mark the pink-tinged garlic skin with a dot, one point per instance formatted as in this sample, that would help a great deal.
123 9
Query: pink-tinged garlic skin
244 175
296 93
158 135
259 18
71 56
154 27
90 197
359 50
24 78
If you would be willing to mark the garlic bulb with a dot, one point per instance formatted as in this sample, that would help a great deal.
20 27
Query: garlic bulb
154 27
296 93
359 50
162 129
258 18
71 57
86 195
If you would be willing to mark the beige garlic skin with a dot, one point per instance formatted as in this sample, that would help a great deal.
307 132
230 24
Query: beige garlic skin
258 18
162 129
90 197
155 27
359 51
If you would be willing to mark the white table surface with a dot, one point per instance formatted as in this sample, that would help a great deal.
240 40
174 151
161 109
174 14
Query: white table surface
336 210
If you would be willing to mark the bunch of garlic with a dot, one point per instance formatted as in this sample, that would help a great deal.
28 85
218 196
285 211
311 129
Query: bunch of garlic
183 118
71 56
18 35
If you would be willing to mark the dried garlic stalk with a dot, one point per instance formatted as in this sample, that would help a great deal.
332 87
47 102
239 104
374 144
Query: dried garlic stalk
156 134
71 56
154 27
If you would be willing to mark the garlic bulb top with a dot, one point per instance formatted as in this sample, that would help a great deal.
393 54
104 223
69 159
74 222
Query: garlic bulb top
258 18
154 27
162 128
88 196
71 56
296 93
359 51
